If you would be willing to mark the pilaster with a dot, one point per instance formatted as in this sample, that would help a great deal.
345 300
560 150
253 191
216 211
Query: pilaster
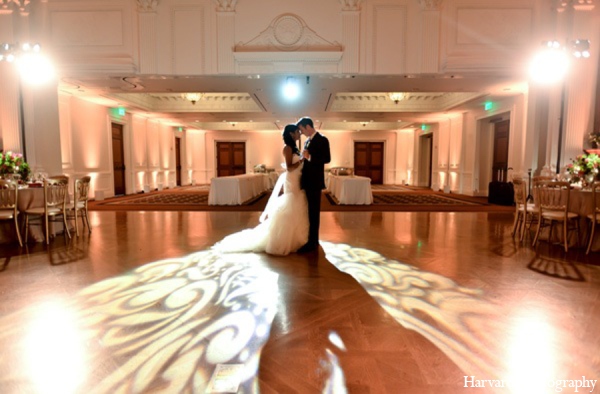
225 40
147 33
351 35
10 128
430 40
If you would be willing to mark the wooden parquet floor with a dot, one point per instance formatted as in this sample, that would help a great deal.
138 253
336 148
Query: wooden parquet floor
386 198
393 302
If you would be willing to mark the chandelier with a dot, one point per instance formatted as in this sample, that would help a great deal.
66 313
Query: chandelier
397 96
192 97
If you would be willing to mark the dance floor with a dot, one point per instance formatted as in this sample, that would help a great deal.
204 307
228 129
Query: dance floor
385 198
394 302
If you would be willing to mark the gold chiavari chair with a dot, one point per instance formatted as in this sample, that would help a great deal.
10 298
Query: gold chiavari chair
79 206
594 216
552 200
524 211
9 193
55 200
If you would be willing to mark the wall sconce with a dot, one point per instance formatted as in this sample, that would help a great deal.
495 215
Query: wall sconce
397 96
192 97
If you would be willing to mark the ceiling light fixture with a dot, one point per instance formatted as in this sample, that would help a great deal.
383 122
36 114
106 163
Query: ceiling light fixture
192 97
291 90
397 97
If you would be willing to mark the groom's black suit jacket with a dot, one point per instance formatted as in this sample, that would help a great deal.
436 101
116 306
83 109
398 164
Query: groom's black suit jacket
313 177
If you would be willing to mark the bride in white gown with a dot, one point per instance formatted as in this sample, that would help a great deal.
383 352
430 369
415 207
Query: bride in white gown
283 227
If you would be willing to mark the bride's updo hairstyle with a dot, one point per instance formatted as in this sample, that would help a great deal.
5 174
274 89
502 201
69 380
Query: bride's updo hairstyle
288 139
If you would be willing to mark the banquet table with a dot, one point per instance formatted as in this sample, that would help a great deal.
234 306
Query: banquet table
350 189
237 189
580 202
29 197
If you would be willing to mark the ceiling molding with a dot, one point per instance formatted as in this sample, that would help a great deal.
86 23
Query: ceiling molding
413 102
174 102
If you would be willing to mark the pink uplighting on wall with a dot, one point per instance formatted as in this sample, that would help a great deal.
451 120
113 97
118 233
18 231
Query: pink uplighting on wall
141 175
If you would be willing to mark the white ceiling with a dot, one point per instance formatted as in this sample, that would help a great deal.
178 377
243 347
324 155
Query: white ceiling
335 102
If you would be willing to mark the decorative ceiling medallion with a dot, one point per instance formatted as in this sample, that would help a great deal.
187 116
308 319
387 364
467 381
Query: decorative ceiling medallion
288 32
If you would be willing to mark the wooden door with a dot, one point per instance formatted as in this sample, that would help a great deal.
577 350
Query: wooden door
178 161
500 157
368 160
425 159
118 159
231 158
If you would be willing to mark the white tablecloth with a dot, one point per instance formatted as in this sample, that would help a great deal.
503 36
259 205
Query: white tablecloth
235 190
352 190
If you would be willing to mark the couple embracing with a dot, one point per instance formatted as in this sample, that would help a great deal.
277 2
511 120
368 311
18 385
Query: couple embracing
290 221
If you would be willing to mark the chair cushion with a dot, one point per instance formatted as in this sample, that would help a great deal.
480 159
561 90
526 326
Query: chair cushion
40 211
558 215
591 217
7 214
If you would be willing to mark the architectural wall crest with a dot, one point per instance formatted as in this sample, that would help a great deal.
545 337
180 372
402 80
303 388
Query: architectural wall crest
147 5
226 5
350 5
430 5
12 5
287 32
579 5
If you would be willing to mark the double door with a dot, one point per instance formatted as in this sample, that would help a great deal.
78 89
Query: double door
231 158
368 160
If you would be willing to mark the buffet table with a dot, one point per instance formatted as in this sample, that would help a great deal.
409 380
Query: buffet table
237 189
350 189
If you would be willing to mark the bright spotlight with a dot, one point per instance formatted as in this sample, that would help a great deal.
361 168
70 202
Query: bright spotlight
35 68
291 90
550 65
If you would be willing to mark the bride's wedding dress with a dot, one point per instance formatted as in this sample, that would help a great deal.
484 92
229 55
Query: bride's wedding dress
284 222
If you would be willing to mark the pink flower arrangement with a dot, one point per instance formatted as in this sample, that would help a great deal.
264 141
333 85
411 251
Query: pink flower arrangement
11 163
583 167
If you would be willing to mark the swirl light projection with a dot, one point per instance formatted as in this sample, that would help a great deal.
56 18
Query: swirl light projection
481 337
163 327
428 303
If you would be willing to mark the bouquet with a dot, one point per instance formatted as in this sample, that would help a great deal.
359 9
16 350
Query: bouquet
13 163
584 168
594 139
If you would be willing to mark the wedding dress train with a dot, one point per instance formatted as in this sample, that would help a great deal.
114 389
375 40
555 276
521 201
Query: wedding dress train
284 222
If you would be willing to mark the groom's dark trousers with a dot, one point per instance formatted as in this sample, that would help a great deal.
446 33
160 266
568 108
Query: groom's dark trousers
313 182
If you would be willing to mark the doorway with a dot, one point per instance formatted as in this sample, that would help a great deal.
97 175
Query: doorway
178 161
425 159
118 159
368 161
500 155
231 158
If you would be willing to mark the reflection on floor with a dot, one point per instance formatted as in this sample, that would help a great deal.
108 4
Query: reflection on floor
420 303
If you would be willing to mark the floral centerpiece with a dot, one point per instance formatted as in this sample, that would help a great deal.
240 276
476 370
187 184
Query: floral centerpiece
594 139
584 169
13 163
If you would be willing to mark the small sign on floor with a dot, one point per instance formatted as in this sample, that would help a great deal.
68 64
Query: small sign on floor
225 379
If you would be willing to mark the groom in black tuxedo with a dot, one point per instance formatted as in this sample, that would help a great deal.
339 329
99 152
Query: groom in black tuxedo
316 154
